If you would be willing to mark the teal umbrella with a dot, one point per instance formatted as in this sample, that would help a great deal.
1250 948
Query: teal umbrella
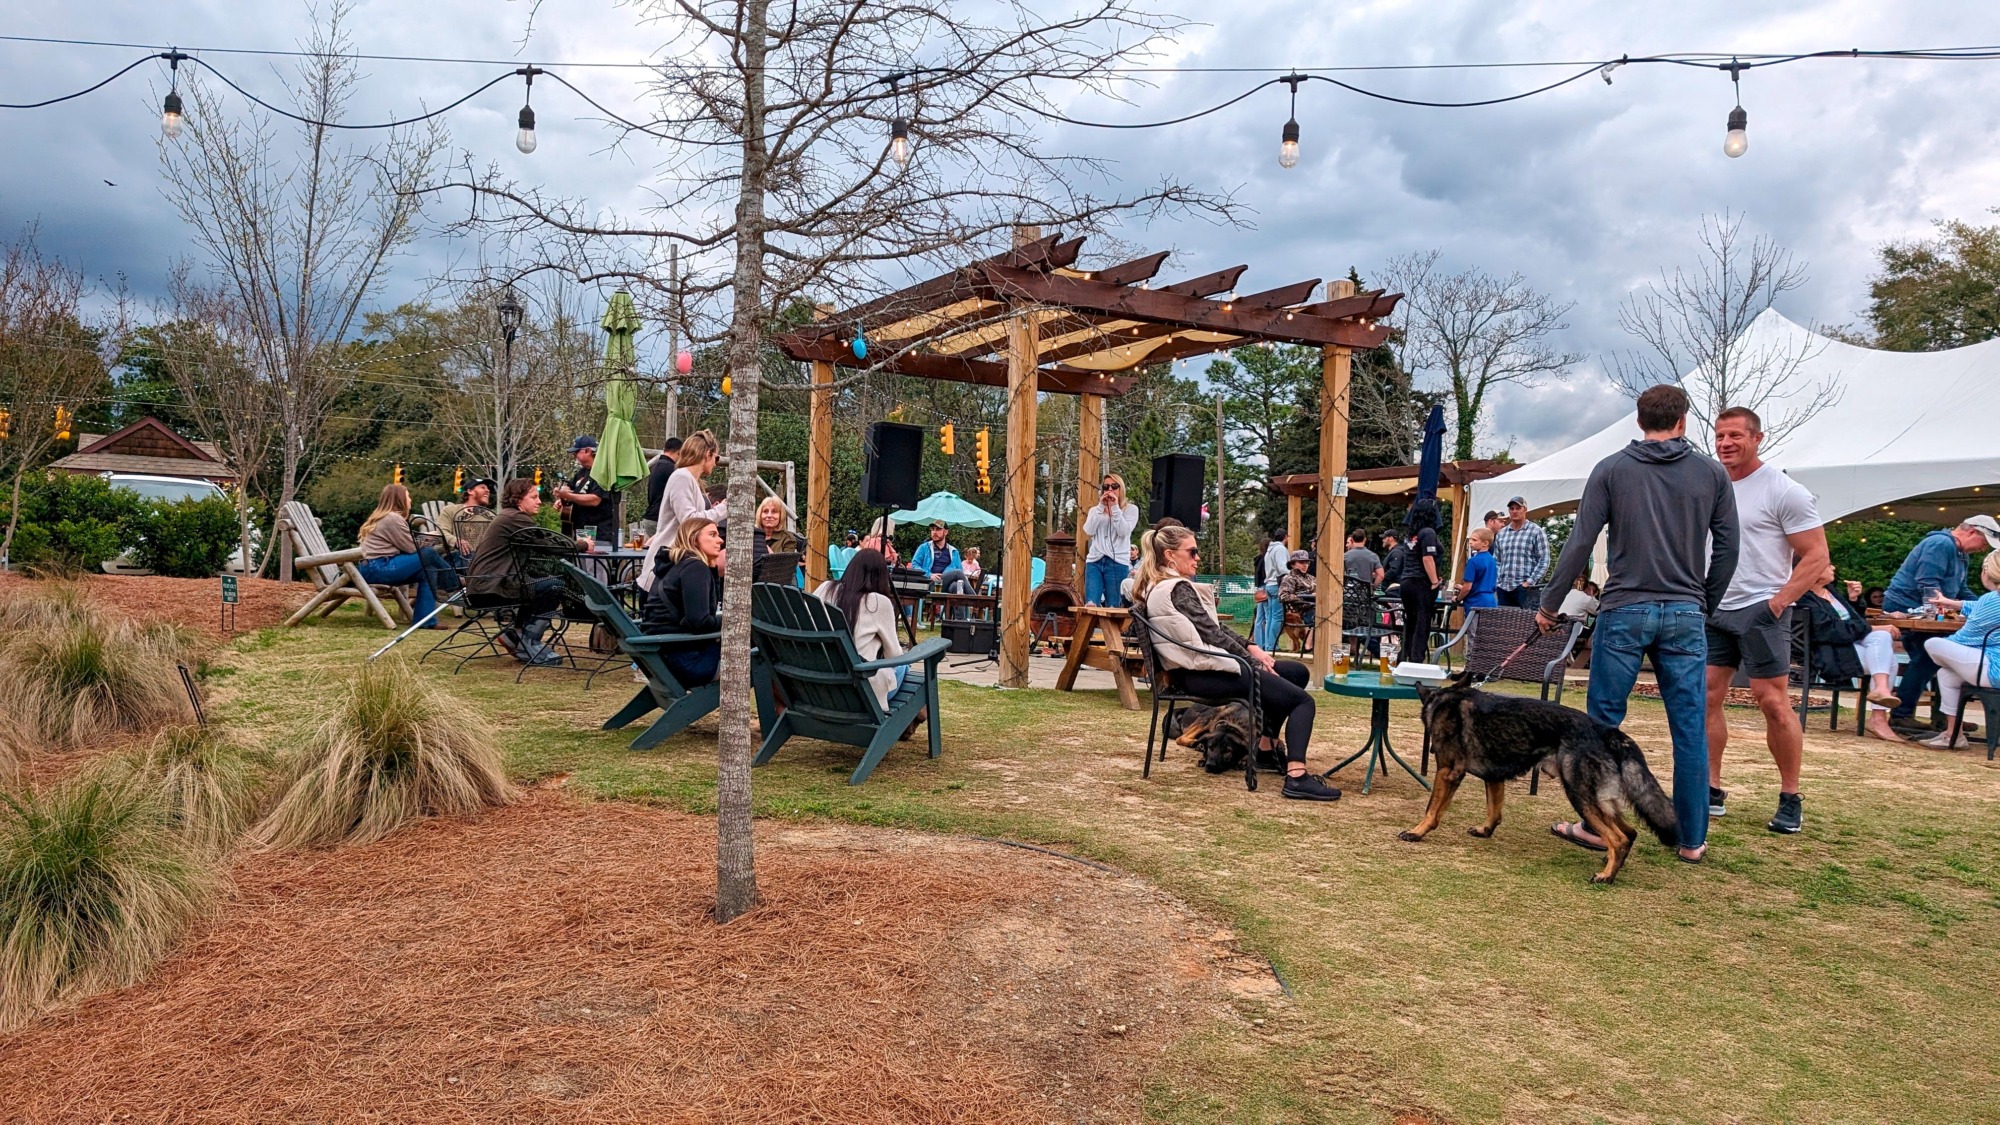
620 463
947 508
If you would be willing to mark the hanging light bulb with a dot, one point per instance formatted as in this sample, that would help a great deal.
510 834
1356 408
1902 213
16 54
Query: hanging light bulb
1737 141
524 135
1288 145
899 141
170 116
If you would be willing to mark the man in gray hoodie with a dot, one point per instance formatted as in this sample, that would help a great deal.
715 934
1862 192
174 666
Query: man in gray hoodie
1672 516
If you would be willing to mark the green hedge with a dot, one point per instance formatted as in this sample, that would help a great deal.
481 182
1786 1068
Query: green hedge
70 522
1869 551
190 538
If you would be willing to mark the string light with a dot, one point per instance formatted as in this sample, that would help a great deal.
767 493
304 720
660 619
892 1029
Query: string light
1288 138
170 109
524 136
899 141
1736 142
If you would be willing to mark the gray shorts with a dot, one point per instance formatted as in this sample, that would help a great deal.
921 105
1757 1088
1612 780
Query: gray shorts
1751 639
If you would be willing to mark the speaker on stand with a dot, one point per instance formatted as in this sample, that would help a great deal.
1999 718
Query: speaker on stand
1180 483
893 459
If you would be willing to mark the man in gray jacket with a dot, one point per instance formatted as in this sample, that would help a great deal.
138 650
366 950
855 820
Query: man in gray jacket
1672 516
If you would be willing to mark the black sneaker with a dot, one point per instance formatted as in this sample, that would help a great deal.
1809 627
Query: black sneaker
1716 797
1791 814
1309 787
1910 724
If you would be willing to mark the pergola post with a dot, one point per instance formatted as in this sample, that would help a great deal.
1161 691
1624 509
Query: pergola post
1017 562
1461 526
1294 519
1089 468
1329 587
819 476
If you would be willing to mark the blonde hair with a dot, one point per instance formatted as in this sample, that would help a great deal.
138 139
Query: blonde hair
1481 536
1989 571
394 501
690 532
771 502
1114 478
695 450
1154 549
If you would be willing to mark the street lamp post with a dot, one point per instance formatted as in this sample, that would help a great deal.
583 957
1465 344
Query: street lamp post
509 312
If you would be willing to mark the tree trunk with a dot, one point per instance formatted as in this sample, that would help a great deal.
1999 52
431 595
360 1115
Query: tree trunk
735 855
13 521
286 494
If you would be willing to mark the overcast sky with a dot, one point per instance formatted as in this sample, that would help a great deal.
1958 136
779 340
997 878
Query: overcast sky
1587 191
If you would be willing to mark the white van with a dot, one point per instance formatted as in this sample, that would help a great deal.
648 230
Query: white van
170 489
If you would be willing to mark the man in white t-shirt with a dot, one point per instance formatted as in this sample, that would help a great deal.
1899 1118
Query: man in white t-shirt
1781 556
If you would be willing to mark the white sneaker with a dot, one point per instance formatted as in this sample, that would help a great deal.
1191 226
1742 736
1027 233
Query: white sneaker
1943 741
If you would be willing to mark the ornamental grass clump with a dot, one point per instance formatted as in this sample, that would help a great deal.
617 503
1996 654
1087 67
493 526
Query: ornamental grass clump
394 749
94 888
205 783
48 604
67 683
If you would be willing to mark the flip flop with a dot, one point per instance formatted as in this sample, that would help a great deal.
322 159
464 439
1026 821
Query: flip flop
1696 858
1885 699
1564 830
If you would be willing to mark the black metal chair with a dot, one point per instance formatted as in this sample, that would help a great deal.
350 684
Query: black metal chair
1164 684
1362 618
486 618
781 567
1989 699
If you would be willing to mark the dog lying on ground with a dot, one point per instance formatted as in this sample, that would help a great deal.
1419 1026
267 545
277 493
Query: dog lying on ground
1225 736
1497 738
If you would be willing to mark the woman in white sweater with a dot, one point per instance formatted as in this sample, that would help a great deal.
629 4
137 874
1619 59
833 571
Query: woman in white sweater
864 597
683 498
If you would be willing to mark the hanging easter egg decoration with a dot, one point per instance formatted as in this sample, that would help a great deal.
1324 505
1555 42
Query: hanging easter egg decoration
725 384
860 345
684 362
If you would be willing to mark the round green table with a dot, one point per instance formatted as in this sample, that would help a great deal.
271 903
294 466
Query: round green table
1379 690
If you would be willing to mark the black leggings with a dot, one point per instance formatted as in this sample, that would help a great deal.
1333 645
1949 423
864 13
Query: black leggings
1283 695
1417 602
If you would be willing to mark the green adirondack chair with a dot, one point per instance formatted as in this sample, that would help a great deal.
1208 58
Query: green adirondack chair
805 645
680 705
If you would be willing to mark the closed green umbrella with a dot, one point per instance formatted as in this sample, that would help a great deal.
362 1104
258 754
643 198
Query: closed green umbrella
949 509
620 463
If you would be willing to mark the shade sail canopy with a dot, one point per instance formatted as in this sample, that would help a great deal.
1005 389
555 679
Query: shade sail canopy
620 463
947 508
1906 440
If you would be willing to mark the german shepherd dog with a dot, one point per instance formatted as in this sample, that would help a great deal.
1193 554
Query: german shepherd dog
1224 735
1497 738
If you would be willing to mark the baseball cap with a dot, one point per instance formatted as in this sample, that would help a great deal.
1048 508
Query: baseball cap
492 486
1301 556
583 443
1513 500
1987 527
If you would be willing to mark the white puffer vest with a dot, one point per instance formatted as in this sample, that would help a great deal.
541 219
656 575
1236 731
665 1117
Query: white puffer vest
1176 633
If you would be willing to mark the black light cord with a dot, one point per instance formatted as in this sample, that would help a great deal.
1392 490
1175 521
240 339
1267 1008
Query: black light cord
122 72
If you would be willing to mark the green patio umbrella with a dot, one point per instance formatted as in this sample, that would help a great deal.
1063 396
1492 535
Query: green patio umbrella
947 508
619 460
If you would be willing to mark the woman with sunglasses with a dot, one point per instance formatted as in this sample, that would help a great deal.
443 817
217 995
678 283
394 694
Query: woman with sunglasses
1186 635
1109 525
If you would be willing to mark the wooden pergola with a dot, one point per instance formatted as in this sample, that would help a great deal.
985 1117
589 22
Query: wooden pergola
1029 320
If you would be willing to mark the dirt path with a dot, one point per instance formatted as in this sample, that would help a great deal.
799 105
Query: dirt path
555 961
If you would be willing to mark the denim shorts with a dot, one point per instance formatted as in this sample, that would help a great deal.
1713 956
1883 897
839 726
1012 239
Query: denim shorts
1751 639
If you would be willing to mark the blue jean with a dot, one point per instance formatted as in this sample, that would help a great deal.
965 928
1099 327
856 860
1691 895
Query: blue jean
694 667
1674 635
404 570
1270 620
1103 579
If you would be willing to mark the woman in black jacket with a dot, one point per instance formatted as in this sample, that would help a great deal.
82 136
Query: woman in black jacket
687 598
1846 647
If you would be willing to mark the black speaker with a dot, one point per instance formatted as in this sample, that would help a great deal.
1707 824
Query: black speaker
895 457
1180 482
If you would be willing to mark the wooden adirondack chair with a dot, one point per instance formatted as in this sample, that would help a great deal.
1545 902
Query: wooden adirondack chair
337 574
805 644
679 705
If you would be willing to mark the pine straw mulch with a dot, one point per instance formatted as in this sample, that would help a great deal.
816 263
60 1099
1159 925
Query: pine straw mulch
556 961
193 602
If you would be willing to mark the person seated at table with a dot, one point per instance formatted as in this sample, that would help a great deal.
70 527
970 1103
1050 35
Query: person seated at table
866 599
770 534
975 575
474 506
1185 625
1295 590
1581 601
1873 599
1966 657
687 598
490 580
1846 647
390 555
1476 589
939 559
1935 565
881 537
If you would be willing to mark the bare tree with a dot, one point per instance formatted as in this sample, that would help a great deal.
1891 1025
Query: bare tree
297 239
780 185
1476 331
519 402
1691 328
204 349
51 362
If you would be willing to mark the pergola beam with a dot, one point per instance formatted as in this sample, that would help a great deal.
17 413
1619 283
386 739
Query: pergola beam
956 285
951 369
1132 272
1171 308
1108 341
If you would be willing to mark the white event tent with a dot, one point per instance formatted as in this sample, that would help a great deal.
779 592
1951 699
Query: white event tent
1910 436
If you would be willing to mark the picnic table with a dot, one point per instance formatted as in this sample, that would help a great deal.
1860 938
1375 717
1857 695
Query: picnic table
962 607
1926 626
1099 641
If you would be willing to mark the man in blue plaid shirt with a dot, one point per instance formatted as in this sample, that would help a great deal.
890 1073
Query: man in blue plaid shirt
1521 553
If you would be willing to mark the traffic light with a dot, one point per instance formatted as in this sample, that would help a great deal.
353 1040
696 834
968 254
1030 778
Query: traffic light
983 444
396 474
458 481
63 417
947 440
538 477
6 423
